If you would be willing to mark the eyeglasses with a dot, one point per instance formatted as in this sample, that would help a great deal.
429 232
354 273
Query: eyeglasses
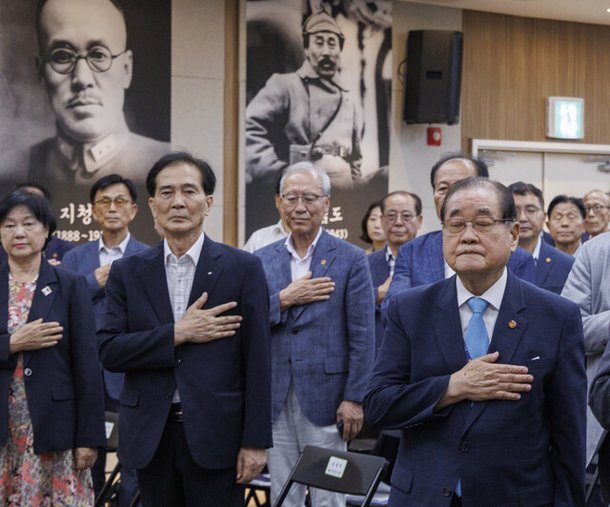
483 225
64 60
307 198
391 217
106 202
596 209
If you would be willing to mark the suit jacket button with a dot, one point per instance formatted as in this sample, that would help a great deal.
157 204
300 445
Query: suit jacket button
465 447
27 372
447 492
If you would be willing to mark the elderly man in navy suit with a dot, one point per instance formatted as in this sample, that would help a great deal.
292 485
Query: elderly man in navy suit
483 373
188 323
322 331
552 265
400 220
113 204
420 261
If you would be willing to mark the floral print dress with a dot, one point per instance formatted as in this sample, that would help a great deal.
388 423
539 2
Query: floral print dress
28 479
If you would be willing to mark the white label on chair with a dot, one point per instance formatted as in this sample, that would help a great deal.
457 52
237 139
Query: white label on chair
109 427
336 467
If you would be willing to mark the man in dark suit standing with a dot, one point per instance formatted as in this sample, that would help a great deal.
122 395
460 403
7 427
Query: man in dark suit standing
483 373
188 323
420 261
113 204
552 265
400 220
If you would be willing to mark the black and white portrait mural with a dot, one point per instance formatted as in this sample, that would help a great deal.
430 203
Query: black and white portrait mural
84 92
318 88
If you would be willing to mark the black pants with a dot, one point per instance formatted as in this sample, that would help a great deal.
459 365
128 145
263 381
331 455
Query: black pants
174 478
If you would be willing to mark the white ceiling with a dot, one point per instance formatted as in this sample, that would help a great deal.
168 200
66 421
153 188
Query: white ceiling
583 11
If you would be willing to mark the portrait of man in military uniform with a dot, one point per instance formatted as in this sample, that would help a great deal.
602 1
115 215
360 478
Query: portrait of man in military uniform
315 107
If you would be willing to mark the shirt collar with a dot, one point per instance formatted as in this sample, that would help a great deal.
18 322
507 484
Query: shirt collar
536 252
293 252
493 295
193 253
90 157
121 246
388 254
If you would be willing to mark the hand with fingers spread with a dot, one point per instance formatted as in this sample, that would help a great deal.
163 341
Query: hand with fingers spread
484 379
199 326
306 290
352 416
101 275
35 335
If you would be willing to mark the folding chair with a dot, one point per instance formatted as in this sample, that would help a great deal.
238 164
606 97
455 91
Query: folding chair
260 484
341 472
112 444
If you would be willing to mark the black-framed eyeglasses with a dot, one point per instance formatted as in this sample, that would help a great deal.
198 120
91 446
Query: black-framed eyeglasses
307 198
596 209
64 60
106 202
483 225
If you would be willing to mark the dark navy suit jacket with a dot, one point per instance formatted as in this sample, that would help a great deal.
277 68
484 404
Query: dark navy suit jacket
522 453
63 383
420 262
224 384
85 259
553 268
380 270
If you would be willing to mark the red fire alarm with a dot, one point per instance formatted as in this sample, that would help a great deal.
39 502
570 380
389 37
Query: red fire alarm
434 136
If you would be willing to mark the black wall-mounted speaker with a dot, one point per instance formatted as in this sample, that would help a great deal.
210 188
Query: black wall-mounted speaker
433 76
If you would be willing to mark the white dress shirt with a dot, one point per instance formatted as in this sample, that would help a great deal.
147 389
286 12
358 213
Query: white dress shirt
299 267
108 255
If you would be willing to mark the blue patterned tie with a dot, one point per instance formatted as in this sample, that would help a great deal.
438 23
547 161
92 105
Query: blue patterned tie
477 343
476 338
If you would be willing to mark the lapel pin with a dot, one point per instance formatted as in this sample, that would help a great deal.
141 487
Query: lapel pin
323 262
547 260
512 324
209 272
46 290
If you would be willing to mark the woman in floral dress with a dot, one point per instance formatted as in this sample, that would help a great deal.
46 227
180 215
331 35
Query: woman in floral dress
51 398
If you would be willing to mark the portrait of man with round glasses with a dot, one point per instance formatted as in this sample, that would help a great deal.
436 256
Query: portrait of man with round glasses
86 66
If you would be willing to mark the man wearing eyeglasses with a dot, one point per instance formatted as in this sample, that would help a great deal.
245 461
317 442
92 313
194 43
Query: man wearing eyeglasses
483 373
597 204
322 325
401 219
86 67
113 202
552 265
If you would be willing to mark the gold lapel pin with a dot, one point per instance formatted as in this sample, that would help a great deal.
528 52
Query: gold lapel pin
323 262
547 260
512 324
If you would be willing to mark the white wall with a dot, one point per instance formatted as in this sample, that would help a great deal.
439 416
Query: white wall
197 123
410 157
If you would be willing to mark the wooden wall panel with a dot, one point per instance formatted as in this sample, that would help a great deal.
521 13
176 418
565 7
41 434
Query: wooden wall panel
512 64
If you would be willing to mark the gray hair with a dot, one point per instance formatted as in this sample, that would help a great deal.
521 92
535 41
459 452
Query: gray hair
307 167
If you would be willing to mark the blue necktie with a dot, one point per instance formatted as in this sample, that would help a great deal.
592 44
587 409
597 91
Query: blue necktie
477 343
476 338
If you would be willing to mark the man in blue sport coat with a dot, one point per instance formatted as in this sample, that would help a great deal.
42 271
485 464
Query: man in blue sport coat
188 323
322 331
420 261
113 203
552 266
483 373
400 219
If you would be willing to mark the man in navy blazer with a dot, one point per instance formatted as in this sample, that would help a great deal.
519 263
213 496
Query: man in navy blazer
113 204
188 323
420 261
322 331
400 220
490 400
552 266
